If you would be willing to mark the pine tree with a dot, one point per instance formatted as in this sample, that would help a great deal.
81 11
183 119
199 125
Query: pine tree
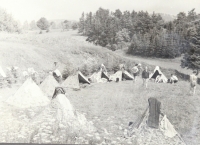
193 56
81 28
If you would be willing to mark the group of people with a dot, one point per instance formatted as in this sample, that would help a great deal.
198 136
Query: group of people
137 69
146 75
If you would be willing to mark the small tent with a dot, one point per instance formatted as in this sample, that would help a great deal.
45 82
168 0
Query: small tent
165 134
152 129
82 78
2 73
99 77
74 80
48 85
156 72
28 95
120 75
71 82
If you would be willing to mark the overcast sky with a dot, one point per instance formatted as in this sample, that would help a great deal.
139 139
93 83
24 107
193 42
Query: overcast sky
72 9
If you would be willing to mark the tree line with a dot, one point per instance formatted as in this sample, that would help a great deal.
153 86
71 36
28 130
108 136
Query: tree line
142 33
9 24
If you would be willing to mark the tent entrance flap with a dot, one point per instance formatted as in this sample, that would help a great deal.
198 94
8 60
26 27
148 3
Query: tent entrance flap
103 75
82 78
155 74
127 75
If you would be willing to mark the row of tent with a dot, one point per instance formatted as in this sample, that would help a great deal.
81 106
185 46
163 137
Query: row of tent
98 77
74 81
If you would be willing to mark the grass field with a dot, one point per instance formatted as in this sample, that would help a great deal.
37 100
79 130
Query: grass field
110 106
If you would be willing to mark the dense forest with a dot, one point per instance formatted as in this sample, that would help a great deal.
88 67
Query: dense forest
142 33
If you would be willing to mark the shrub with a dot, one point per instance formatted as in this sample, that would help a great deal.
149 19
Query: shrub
85 70
67 72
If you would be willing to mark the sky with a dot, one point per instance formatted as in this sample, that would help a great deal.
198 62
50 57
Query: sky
29 10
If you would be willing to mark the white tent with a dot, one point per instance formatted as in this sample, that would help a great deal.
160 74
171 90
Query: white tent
48 85
120 75
2 73
99 77
28 95
74 81
164 135
156 72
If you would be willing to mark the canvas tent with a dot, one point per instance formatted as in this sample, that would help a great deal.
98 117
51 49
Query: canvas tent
165 134
82 78
156 72
158 131
74 80
2 73
121 75
99 77
48 85
28 95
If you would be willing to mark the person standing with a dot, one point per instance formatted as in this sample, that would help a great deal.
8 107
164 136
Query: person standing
145 76
135 71
193 81
139 69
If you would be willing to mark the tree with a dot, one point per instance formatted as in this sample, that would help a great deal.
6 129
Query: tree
53 25
33 25
122 37
81 28
7 22
25 25
74 26
43 24
65 25
192 15
192 58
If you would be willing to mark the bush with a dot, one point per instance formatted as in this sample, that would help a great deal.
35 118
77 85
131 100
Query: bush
95 68
67 72
85 70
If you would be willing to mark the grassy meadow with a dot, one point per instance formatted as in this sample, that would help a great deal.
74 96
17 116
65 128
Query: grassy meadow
110 106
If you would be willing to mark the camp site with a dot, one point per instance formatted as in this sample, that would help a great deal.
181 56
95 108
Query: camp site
100 72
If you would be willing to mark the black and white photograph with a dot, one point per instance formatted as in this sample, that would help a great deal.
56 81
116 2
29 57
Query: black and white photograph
100 72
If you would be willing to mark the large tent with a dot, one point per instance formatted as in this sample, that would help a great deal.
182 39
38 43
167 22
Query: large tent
74 80
48 85
28 95
121 75
156 72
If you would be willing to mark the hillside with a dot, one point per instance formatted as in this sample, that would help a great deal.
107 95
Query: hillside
41 50
69 49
